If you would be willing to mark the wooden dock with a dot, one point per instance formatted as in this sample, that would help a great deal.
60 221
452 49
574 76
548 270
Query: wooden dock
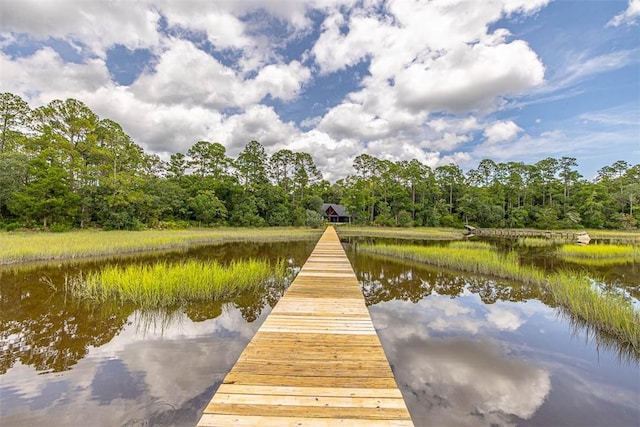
316 360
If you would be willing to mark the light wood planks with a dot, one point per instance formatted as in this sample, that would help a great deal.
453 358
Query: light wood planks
316 360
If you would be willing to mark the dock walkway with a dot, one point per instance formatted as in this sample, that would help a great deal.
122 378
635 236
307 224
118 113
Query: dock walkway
316 360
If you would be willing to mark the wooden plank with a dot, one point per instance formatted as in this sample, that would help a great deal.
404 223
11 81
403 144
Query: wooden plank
308 411
316 360
309 381
310 391
220 420
310 401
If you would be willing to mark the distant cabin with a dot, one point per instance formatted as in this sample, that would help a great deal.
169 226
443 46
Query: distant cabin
335 213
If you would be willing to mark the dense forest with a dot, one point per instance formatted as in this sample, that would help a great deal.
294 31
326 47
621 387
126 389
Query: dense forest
62 167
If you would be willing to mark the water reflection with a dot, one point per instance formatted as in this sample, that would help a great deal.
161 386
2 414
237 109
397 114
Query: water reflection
472 351
40 325
114 364
141 377
386 279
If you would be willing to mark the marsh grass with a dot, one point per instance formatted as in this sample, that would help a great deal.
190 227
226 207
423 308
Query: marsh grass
163 284
602 251
597 262
418 233
537 242
26 246
475 257
609 312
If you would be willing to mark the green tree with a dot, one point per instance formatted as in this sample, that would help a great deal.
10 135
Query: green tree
208 158
450 179
251 165
47 197
207 208
14 173
282 165
15 116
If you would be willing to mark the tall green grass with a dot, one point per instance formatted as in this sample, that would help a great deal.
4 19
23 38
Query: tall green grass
418 233
597 262
599 251
164 284
537 242
610 313
28 246
475 257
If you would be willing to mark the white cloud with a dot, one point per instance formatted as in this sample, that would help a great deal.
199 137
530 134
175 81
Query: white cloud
452 64
98 24
471 77
629 16
282 81
334 157
501 132
349 120
425 58
459 158
44 75
187 75
258 122
157 127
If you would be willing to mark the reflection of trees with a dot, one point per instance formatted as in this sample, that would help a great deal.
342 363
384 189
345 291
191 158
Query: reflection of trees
42 327
386 279
201 311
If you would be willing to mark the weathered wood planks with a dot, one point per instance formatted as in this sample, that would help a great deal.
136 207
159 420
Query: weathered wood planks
316 360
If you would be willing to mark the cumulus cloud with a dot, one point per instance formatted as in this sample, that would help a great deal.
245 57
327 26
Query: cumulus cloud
472 77
219 71
98 24
44 75
258 122
187 75
452 64
629 16
501 132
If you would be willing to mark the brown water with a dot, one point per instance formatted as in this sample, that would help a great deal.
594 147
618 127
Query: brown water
465 350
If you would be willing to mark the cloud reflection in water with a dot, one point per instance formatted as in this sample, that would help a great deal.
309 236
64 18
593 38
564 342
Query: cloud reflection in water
463 378
162 376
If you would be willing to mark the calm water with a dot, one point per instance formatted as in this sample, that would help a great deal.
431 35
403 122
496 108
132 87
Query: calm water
63 363
470 351
466 351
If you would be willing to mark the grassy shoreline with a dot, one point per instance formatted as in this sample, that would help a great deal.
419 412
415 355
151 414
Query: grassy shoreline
168 284
418 233
26 247
610 313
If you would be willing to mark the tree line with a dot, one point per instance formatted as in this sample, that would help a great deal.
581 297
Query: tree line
62 167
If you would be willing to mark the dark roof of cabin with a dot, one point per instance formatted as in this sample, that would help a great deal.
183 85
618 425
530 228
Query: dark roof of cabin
340 210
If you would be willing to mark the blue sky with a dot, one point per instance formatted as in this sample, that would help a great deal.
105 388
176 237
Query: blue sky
441 81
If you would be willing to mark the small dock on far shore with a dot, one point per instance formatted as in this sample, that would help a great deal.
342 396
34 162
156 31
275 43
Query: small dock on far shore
316 360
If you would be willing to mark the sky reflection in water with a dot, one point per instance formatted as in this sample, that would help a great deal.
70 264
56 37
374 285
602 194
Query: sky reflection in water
144 376
498 357
466 351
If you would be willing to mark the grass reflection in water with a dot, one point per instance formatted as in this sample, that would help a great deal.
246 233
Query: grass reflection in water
608 312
